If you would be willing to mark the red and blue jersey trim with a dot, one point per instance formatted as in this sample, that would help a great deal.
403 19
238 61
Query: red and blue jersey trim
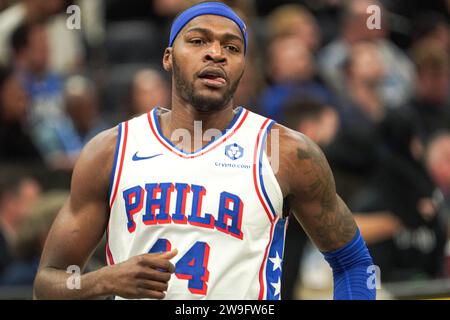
274 262
116 155
118 161
116 173
257 170
261 180
109 255
269 279
262 282
270 273
237 122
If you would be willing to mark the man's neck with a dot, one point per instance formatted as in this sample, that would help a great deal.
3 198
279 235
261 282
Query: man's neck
184 118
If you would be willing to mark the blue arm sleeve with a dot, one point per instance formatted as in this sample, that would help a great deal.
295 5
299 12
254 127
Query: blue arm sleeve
351 265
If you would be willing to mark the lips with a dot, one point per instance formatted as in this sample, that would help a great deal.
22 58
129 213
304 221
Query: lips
213 77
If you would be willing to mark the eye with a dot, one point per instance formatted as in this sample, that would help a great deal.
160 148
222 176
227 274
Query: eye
197 41
232 48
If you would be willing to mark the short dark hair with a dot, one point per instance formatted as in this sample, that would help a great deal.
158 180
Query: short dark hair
426 23
439 134
300 108
20 36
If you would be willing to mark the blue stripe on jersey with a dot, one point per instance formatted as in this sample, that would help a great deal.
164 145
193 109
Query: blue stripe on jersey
261 180
158 129
116 155
274 262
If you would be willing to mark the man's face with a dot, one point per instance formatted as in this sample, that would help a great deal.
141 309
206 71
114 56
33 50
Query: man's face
207 61
38 49
366 64
438 163
290 60
18 203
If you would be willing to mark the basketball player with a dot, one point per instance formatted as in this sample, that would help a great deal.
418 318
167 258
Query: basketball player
199 223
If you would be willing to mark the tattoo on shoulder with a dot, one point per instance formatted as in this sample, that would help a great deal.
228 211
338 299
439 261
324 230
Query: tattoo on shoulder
316 168
332 223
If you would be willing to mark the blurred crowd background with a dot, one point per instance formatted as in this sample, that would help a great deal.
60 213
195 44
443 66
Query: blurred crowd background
376 100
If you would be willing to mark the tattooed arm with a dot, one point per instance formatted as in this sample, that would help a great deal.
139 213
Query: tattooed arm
311 192
308 184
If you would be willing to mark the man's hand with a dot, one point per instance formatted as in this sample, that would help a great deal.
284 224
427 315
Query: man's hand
81 223
143 276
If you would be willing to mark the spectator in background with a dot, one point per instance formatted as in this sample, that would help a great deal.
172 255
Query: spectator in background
361 102
18 194
294 20
82 108
291 72
245 9
317 121
432 26
148 89
353 155
31 236
15 141
24 11
66 47
81 122
398 80
437 159
320 123
45 89
65 44
430 107
31 59
438 163
402 187
251 86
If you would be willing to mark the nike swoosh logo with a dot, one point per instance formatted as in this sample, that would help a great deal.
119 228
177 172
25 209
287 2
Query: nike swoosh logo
137 158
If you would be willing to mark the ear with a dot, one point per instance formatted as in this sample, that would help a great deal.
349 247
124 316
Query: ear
167 59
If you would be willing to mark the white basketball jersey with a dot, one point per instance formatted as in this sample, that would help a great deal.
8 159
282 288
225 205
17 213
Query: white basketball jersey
220 206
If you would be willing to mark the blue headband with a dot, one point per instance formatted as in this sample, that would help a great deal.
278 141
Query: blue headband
204 8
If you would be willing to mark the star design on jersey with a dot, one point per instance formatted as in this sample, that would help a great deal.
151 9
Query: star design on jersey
276 286
276 261
274 264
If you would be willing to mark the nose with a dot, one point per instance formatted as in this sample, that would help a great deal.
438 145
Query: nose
215 53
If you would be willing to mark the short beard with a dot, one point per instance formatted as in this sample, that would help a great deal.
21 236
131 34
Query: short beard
199 102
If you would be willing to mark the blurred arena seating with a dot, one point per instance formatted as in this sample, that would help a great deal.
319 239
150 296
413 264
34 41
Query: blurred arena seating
377 101
133 42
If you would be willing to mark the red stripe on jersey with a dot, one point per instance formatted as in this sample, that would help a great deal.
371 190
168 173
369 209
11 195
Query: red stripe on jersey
255 181
120 164
261 270
108 250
